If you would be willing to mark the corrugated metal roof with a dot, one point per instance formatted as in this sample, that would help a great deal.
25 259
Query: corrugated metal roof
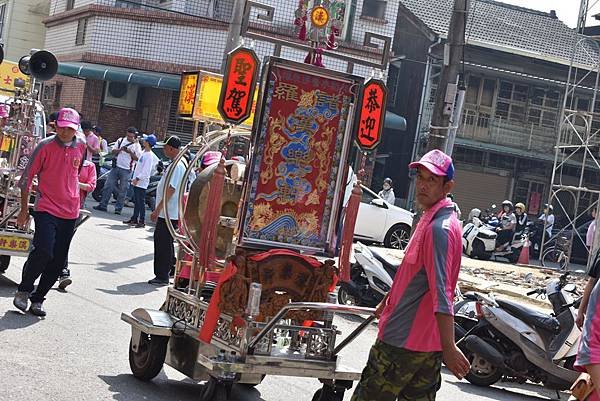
511 29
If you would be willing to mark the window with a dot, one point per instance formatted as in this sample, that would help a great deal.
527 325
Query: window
128 4
374 9
81 28
512 101
543 107
2 16
70 5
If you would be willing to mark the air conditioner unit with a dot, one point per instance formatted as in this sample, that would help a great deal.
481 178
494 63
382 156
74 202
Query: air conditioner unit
120 94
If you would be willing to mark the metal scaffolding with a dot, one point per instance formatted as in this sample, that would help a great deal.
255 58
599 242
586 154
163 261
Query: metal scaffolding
577 149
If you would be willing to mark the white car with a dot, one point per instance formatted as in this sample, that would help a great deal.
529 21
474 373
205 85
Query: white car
379 221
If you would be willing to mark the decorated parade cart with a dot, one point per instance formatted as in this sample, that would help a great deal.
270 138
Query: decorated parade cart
22 126
253 288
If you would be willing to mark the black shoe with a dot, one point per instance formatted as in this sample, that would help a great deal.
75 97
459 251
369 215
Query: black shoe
141 224
98 207
117 211
64 282
130 221
37 309
157 282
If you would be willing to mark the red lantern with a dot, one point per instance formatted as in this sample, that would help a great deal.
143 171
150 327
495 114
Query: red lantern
372 114
239 83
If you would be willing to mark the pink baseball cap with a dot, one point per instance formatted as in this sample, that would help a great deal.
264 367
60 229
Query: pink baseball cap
67 118
437 162
4 110
210 157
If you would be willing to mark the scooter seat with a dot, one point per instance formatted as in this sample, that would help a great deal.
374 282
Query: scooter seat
390 265
530 316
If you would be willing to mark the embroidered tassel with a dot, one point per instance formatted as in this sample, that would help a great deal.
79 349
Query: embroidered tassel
348 232
308 58
331 43
302 33
208 233
319 58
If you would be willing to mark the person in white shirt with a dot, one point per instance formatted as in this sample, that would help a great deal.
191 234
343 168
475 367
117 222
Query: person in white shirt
387 193
548 217
589 237
127 150
140 182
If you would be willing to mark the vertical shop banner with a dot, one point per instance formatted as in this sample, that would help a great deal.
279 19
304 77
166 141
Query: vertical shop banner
302 140
187 94
239 83
372 114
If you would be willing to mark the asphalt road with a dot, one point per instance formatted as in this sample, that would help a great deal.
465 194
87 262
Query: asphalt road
79 351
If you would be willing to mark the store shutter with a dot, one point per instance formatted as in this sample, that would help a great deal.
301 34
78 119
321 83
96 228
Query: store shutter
479 190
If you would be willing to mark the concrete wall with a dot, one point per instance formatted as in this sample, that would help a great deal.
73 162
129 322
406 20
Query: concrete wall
23 28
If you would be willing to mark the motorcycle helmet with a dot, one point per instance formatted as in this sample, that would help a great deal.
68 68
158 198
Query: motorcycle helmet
388 180
520 206
474 213
549 207
508 203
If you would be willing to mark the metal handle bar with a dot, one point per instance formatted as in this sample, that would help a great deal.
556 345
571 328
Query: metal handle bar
215 137
324 306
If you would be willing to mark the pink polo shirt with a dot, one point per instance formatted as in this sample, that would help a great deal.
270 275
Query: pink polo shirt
87 175
422 289
57 167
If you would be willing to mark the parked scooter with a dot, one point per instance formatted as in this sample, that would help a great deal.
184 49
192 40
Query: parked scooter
479 235
371 277
507 339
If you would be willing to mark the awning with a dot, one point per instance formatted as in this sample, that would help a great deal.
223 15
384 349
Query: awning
394 121
119 74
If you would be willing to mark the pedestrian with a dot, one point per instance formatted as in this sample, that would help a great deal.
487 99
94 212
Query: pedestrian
125 153
547 217
140 182
416 325
455 206
508 222
87 184
103 143
588 357
387 193
55 162
591 231
164 250
92 141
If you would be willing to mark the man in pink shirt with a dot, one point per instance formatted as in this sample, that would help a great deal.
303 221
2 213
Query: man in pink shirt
56 162
416 325
92 141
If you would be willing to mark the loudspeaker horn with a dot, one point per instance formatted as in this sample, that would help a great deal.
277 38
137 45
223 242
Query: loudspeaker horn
43 65
24 65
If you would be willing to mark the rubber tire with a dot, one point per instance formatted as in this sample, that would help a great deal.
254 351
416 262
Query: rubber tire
342 291
387 241
153 355
512 258
478 250
215 391
333 397
484 381
4 262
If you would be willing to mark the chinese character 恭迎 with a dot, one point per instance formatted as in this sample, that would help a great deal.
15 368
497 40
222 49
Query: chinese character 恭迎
365 131
372 101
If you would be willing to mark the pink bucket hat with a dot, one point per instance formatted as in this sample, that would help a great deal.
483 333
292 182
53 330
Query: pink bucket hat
4 110
437 162
67 118
210 157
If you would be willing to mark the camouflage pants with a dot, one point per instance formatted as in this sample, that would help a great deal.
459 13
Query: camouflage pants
394 373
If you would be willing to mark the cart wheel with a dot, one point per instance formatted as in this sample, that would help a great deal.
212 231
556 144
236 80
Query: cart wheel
4 262
147 362
215 390
326 393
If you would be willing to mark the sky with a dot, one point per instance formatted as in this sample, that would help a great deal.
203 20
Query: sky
566 10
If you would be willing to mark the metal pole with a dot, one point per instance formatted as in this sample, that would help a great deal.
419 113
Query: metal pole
456 116
446 92
235 29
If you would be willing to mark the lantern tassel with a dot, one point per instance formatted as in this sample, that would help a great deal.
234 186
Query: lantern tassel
302 33
348 232
319 58
208 233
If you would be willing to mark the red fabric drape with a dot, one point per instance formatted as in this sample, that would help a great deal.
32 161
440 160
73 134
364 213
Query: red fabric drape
208 233
348 232
213 312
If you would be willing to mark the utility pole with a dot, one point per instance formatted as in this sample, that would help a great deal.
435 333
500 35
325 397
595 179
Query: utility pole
441 120
235 29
